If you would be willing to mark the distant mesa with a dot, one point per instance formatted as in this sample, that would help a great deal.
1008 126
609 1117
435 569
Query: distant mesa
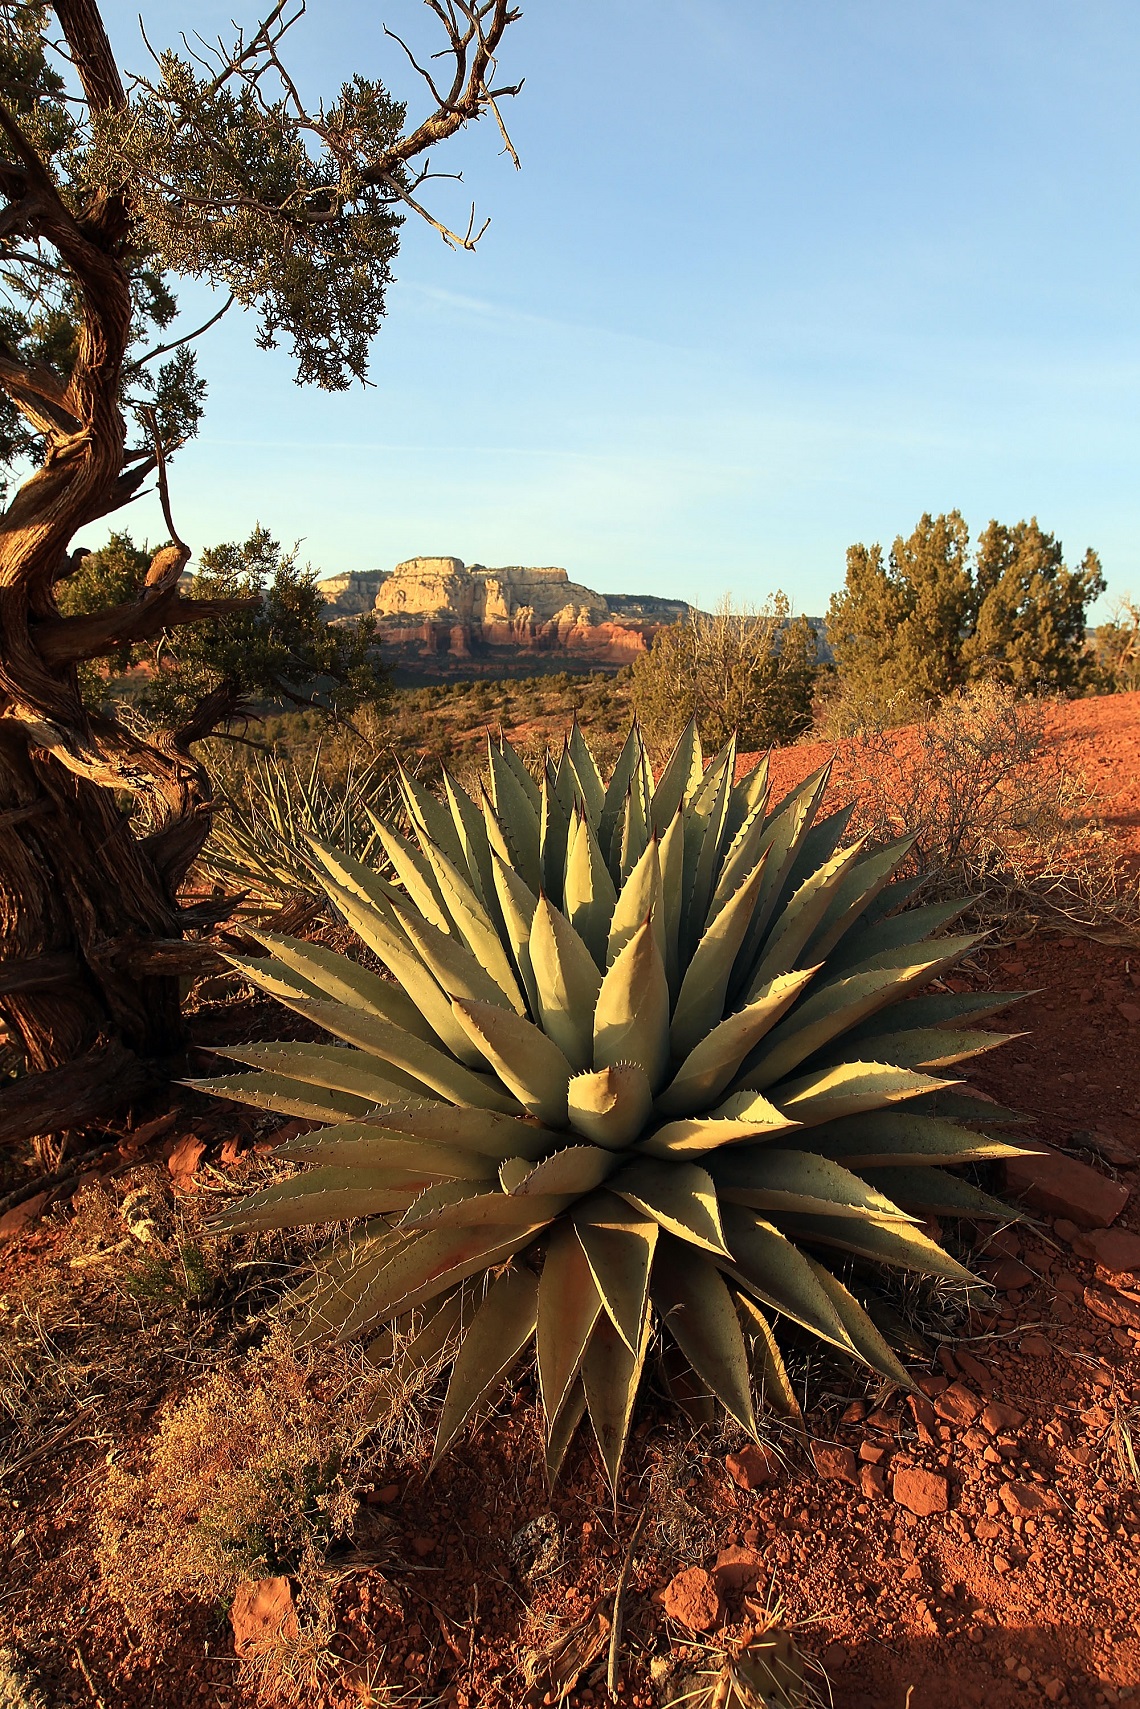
442 610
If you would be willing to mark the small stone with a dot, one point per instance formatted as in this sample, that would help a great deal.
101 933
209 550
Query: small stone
1129 1012
1001 1565
1008 1274
1035 1347
932 1386
834 1461
692 1599
986 1530
1112 1306
975 1371
262 1611
423 1545
959 1405
997 1418
1024 1674
752 1466
921 1492
21 1217
736 1570
182 1161
873 1481
1116 1250
1054 1689
854 1413
388 1493
1024 1501
924 1419
974 1439
1061 1185
873 1453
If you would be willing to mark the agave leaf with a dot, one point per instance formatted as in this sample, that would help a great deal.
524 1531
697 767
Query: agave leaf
926 1047
441 1195
491 1347
769 1374
439 1325
611 1377
359 1145
818 846
323 1195
853 1087
610 1107
865 1338
931 1192
799 919
485 1131
613 805
414 873
631 834
454 967
471 841
679 1196
701 1002
560 1433
345 981
829 1011
517 905
553 831
269 974
939 1009
485 1210
696 1308
965 1105
750 788
704 844
522 776
517 814
864 946
768 1178
631 1019
350 874
430 819
588 893
855 896
576 1169
422 1266
327 1065
384 938
680 779
693 1136
590 785
715 1059
893 1137
440 1073
526 1061
567 981
638 899
743 852
565 784
782 843
474 925
777 1272
671 862
289 1097
619 1248
568 1307
897 1243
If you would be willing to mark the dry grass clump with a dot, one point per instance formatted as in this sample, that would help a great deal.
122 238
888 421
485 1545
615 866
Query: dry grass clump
15 1691
995 812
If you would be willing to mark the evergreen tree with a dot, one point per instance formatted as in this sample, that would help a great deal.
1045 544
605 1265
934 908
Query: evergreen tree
1030 611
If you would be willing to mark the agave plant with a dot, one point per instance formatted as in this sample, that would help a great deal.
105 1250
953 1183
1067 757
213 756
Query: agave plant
646 1060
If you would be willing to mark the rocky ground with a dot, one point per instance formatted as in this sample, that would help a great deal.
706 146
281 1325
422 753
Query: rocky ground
977 1543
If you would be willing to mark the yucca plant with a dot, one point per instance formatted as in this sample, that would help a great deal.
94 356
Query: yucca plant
645 1061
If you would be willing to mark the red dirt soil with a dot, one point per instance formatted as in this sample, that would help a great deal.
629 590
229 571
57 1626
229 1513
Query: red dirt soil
1025 1590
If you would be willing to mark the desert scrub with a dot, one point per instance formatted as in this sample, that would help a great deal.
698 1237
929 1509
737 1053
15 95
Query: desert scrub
644 1068
995 814
249 1475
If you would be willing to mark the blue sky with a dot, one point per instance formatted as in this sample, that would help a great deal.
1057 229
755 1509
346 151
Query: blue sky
773 278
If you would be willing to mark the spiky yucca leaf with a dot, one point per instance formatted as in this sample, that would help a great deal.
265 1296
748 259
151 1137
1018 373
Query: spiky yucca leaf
653 1059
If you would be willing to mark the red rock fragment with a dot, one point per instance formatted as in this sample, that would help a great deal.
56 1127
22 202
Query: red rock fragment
987 1529
21 1217
1065 1187
873 1453
1114 1249
835 1462
752 1466
873 1481
1113 1306
925 1421
1129 1012
999 1419
920 1491
692 1599
423 1546
737 1570
958 1405
1026 1501
1008 1274
262 1612
975 1371
183 1160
